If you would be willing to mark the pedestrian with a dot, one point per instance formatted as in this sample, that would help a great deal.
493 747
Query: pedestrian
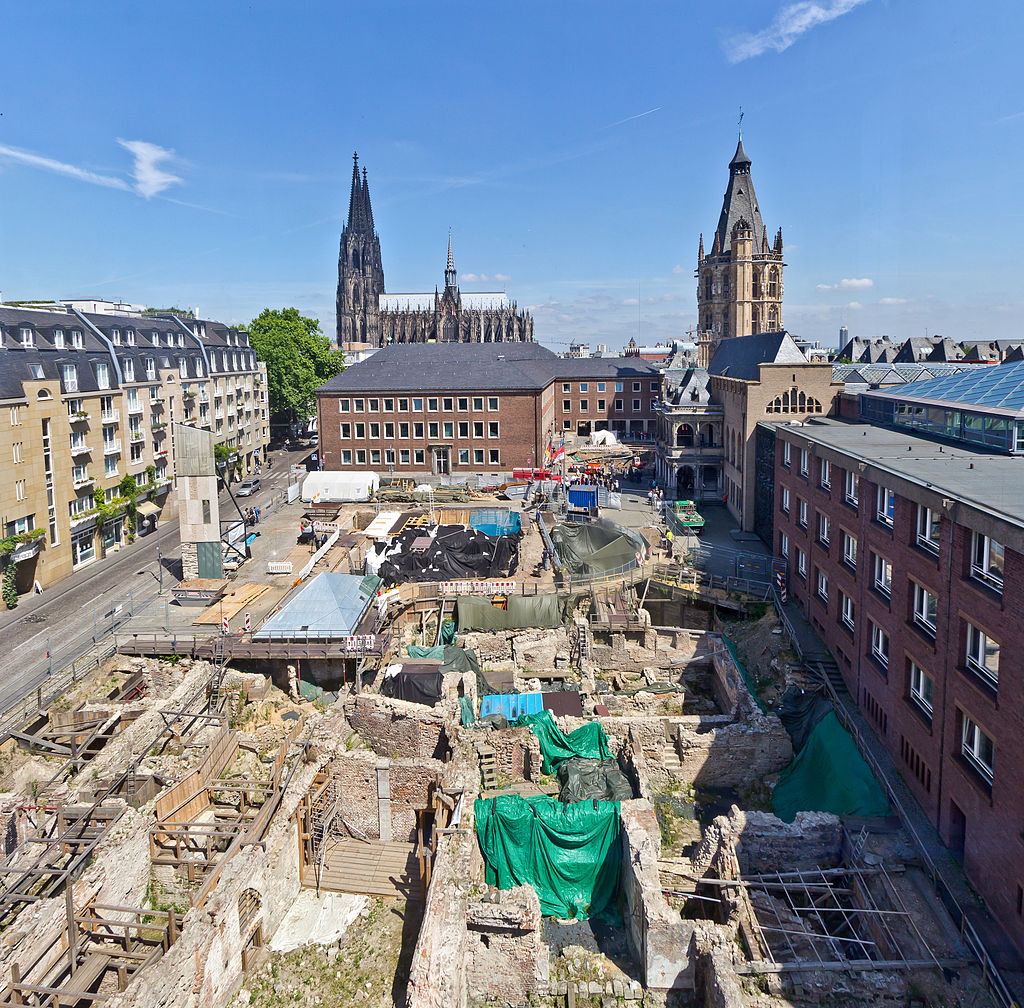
650 497
616 486
669 537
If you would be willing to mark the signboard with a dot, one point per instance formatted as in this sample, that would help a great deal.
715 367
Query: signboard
326 526
361 642
476 587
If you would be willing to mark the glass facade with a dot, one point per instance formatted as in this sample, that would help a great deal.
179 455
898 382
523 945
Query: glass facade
998 433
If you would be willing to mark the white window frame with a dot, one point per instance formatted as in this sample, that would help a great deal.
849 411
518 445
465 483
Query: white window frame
852 489
805 462
802 513
981 560
880 645
787 454
785 500
824 528
801 563
826 474
847 610
977 650
784 546
921 614
929 525
886 500
821 585
972 747
849 550
879 584
919 691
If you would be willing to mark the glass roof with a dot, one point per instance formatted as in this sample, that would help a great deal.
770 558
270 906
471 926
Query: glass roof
999 387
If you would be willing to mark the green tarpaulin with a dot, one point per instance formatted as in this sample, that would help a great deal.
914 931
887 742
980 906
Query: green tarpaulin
476 613
828 775
743 672
590 550
570 854
588 741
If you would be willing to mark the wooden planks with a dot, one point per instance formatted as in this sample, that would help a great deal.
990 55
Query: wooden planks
230 604
377 868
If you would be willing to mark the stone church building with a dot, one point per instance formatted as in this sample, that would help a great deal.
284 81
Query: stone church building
366 314
739 282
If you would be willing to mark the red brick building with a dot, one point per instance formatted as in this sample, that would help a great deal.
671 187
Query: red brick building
908 557
451 409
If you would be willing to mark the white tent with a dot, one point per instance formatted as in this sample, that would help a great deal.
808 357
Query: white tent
338 487
603 437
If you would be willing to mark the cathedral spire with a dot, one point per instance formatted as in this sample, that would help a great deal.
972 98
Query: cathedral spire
367 209
700 249
355 199
449 273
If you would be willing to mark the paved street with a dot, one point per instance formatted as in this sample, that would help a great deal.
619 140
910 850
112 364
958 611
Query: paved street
46 622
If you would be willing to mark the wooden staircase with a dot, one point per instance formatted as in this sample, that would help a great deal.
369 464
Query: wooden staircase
488 768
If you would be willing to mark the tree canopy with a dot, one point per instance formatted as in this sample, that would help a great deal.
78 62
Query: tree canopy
298 356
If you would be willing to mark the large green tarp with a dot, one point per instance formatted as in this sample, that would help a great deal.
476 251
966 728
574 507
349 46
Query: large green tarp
828 775
570 854
588 550
588 741
476 613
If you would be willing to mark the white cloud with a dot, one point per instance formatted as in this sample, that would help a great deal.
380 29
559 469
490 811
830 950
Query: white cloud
894 300
849 283
854 305
790 23
484 278
630 302
679 270
60 168
150 179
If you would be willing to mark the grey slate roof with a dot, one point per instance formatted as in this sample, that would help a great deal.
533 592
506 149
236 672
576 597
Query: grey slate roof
740 201
742 356
414 367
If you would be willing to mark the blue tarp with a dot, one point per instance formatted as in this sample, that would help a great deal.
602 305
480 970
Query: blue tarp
512 705
496 522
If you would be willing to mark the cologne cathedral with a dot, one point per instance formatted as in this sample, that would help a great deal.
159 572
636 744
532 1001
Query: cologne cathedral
366 314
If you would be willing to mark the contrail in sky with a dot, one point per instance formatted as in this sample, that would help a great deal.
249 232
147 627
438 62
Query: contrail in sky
639 115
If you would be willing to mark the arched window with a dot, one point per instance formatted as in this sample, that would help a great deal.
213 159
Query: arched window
773 318
707 287
684 436
755 321
802 400
756 293
773 283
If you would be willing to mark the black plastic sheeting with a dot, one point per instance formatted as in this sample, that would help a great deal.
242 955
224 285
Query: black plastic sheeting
454 553
418 687
586 779
799 711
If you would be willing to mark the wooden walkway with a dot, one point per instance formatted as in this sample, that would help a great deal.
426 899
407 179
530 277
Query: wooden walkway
376 868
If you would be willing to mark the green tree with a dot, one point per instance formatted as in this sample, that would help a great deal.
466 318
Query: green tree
299 360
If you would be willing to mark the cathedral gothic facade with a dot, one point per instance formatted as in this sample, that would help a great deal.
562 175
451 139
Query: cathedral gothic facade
366 314
739 282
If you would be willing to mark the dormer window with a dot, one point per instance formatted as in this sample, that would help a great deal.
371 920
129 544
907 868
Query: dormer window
27 339
58 339
155 338
76 339
130 337
115 337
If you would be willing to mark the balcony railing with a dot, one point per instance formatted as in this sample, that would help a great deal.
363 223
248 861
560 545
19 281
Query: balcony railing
136 436
112 447
80 449
111 416
81 481
135 407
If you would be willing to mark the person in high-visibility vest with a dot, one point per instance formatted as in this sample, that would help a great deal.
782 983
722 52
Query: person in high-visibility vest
669 537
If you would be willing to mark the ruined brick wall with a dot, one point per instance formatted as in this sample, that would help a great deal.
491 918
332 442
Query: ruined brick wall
506 959
733 755
658 938
764 843
516 753
397 728
437 975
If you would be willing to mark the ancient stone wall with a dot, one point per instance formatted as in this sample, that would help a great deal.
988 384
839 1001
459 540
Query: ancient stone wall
397 728
658 938
507 960
516 753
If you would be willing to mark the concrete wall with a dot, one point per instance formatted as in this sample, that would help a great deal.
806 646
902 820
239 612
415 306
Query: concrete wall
506 959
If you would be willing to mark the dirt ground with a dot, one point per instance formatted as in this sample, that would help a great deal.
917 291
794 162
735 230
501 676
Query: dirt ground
369 966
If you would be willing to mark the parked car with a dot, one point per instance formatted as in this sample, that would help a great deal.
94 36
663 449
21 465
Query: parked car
248 487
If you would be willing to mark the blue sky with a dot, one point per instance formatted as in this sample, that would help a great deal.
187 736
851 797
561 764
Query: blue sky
201 155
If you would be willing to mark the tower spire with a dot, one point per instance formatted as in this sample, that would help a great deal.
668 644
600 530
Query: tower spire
355 198
367 208
449 273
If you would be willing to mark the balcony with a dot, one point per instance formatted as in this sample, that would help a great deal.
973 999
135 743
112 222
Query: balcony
136 436
160 453
151 376
111 416
82 480
218 414
82 520
112 447
80 449
135 407
78 418
204 397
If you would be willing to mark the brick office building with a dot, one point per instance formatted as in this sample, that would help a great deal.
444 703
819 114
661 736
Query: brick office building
907 555
476 408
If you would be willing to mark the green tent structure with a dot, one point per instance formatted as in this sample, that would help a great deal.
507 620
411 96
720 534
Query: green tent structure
592 550
570 854
828 775
589 741
524 611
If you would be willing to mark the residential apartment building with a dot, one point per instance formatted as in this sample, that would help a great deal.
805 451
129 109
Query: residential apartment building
88 398
477 408
907 554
